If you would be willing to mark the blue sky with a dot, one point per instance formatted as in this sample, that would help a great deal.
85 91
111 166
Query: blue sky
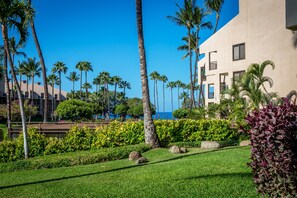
104 33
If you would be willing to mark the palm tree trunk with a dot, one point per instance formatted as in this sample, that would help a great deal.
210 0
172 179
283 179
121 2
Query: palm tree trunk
171 102
27 85
43 68
157 97
191 72
164 98
21 82
53 102
115 94
60 86
108 108
155 94
73 90
178 97
149 129
81 84
32 96
8 99
217 22
86 75
23 116
12 94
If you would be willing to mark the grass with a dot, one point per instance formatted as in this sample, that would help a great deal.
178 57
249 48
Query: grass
220 173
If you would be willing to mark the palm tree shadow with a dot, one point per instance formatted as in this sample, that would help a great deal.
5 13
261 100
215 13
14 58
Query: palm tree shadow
112 170
222 175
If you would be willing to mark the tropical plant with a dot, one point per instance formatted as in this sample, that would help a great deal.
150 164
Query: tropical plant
52 81
59 67
178 84
164 79
151 136
15 14
106 80
215 6
171 85
80 67
87 86
115 80
32 69
97 83
124 85
86 68
43 67
155 76
73 77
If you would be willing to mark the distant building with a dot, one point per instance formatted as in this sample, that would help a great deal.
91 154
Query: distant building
38 95
256 34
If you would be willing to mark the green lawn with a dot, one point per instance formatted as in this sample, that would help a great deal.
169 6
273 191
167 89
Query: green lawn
221 173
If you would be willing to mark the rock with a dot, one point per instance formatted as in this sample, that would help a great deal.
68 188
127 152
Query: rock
245 143
141 160
210 145
134 155
175 150
183 149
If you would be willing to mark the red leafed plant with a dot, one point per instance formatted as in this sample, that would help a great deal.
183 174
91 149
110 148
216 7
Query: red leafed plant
274 149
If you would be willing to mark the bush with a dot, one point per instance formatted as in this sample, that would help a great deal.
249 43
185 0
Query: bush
274 149
1 135
180 113
73 159
7 151
75 110
54 146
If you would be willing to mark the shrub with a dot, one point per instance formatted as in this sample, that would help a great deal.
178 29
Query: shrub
180 113
54 146
78 139
7 151
75 110
1 135
69 159
274 149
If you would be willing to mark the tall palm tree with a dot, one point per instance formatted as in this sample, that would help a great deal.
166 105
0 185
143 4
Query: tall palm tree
73 77
32 69
124 85
97 82
184 17
87 86
52 81
60 68
86 68
43 67
164 79
80 67
171 85
21 71
155 76
105 79
215 6
116 80
151 136
178 84
15 14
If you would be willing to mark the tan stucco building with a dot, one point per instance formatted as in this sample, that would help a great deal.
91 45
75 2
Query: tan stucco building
256 34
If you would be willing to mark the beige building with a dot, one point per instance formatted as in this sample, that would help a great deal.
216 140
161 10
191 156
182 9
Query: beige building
256 34
38 94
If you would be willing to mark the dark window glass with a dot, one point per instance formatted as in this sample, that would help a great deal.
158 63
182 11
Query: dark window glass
239 52
210 91
237 75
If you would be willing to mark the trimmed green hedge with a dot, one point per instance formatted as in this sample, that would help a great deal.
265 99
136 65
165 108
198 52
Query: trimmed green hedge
73 159
118 134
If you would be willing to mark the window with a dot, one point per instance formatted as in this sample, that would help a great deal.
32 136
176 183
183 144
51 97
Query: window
239 52
237 75
210 91
56 96
212 63
223 85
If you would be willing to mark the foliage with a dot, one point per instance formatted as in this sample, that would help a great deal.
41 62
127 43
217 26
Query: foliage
54 146
135 108
1 135
15 110
73 159
274 149
75 110
180 113
121 110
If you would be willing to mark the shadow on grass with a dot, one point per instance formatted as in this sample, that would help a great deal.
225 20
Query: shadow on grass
221 175
117 169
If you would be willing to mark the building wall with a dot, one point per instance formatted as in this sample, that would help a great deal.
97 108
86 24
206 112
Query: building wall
261 26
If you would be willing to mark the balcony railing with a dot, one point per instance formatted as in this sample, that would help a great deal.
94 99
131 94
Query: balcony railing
213 65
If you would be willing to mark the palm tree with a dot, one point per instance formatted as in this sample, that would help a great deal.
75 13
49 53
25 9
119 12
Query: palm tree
124 85
52 81
150 135
87 67
171 85
105 79
185 18
73 77
80 67
43 67
15 14
184 96
32 69
178 83
215 6
60 68
87 86
155 76
116 80
21 71
97 82
164 79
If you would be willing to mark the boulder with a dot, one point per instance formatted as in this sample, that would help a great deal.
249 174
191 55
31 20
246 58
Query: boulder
183 149
175 150
134 155
210 145
141 160
245 143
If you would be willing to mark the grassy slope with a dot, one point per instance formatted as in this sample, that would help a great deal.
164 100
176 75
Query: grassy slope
212 174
